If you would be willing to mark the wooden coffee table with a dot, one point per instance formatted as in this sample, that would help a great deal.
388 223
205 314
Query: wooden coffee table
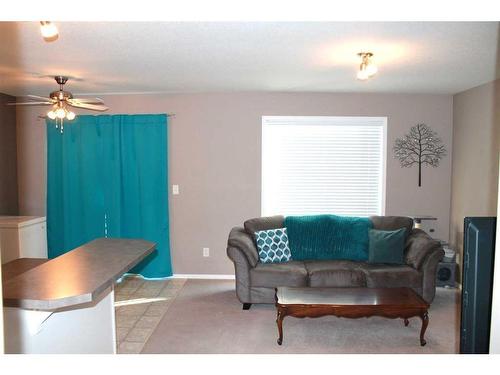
350 303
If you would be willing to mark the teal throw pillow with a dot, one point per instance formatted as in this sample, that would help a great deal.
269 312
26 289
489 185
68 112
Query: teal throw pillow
273 245
386 246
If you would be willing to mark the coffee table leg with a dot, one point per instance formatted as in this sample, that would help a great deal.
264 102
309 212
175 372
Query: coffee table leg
279 322
406 322
425 322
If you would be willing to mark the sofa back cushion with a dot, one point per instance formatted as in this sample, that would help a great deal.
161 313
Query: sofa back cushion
392 223
263 223
320 237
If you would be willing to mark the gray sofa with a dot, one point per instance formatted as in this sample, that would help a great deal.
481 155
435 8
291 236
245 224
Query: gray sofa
255 281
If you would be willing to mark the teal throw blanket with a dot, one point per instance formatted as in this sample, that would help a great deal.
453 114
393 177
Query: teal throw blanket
321 237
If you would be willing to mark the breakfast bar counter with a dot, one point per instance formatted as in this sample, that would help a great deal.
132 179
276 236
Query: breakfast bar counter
66 305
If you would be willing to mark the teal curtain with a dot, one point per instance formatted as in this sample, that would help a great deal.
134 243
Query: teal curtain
107 177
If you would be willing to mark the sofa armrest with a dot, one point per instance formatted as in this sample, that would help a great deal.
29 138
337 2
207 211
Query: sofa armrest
424 253
242 241
418 246
429 269
243 252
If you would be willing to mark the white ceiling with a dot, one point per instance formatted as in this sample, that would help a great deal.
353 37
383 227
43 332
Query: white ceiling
173 57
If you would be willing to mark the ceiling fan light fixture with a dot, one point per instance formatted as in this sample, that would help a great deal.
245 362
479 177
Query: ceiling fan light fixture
60 113
49 31
367 68
51 115
70 115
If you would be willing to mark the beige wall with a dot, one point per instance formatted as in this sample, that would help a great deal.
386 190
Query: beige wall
495 304
8 161
214 155
476 133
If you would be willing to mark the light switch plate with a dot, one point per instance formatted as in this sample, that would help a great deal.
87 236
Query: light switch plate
175 189
206 252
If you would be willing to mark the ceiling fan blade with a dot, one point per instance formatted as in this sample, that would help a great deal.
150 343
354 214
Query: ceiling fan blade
88 100
92 107
37 97
30 103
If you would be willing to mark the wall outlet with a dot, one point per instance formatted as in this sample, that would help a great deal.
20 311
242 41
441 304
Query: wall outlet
175 189
206 252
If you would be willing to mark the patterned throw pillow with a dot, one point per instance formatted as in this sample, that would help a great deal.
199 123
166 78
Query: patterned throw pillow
273 245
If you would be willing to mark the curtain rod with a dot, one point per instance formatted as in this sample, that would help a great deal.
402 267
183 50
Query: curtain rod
168 115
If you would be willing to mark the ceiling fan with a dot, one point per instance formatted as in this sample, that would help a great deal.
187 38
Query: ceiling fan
60 101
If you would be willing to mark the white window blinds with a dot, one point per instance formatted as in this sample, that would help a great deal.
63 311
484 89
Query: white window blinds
316 165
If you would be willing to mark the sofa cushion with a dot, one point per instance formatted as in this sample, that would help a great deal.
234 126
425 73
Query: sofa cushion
386 246
272 275
391 276
392 223
263 223
273 245
335 273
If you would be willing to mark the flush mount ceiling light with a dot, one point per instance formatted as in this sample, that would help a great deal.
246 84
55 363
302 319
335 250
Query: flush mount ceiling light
49 31
367 68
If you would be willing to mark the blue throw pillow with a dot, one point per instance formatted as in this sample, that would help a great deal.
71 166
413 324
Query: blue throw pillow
273 245
386 246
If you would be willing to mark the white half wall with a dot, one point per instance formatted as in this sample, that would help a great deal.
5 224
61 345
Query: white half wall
79 330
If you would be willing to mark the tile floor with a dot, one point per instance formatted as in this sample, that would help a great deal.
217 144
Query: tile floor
139 306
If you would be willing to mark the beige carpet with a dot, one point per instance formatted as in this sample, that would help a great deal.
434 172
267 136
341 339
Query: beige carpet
206 317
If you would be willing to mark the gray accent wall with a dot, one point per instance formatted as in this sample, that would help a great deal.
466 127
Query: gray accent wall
8 157
215 158
476 137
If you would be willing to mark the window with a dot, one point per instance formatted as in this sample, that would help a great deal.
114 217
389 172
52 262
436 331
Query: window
319 165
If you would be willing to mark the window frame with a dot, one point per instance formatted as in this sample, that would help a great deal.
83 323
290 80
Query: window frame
329 121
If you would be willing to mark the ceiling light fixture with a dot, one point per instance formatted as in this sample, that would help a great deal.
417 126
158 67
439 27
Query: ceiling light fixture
60 112
49 31
367 68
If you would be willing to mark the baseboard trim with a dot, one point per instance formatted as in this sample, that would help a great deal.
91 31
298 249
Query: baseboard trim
201 276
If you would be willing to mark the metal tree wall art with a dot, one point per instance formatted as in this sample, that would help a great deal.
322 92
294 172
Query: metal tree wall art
421 146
